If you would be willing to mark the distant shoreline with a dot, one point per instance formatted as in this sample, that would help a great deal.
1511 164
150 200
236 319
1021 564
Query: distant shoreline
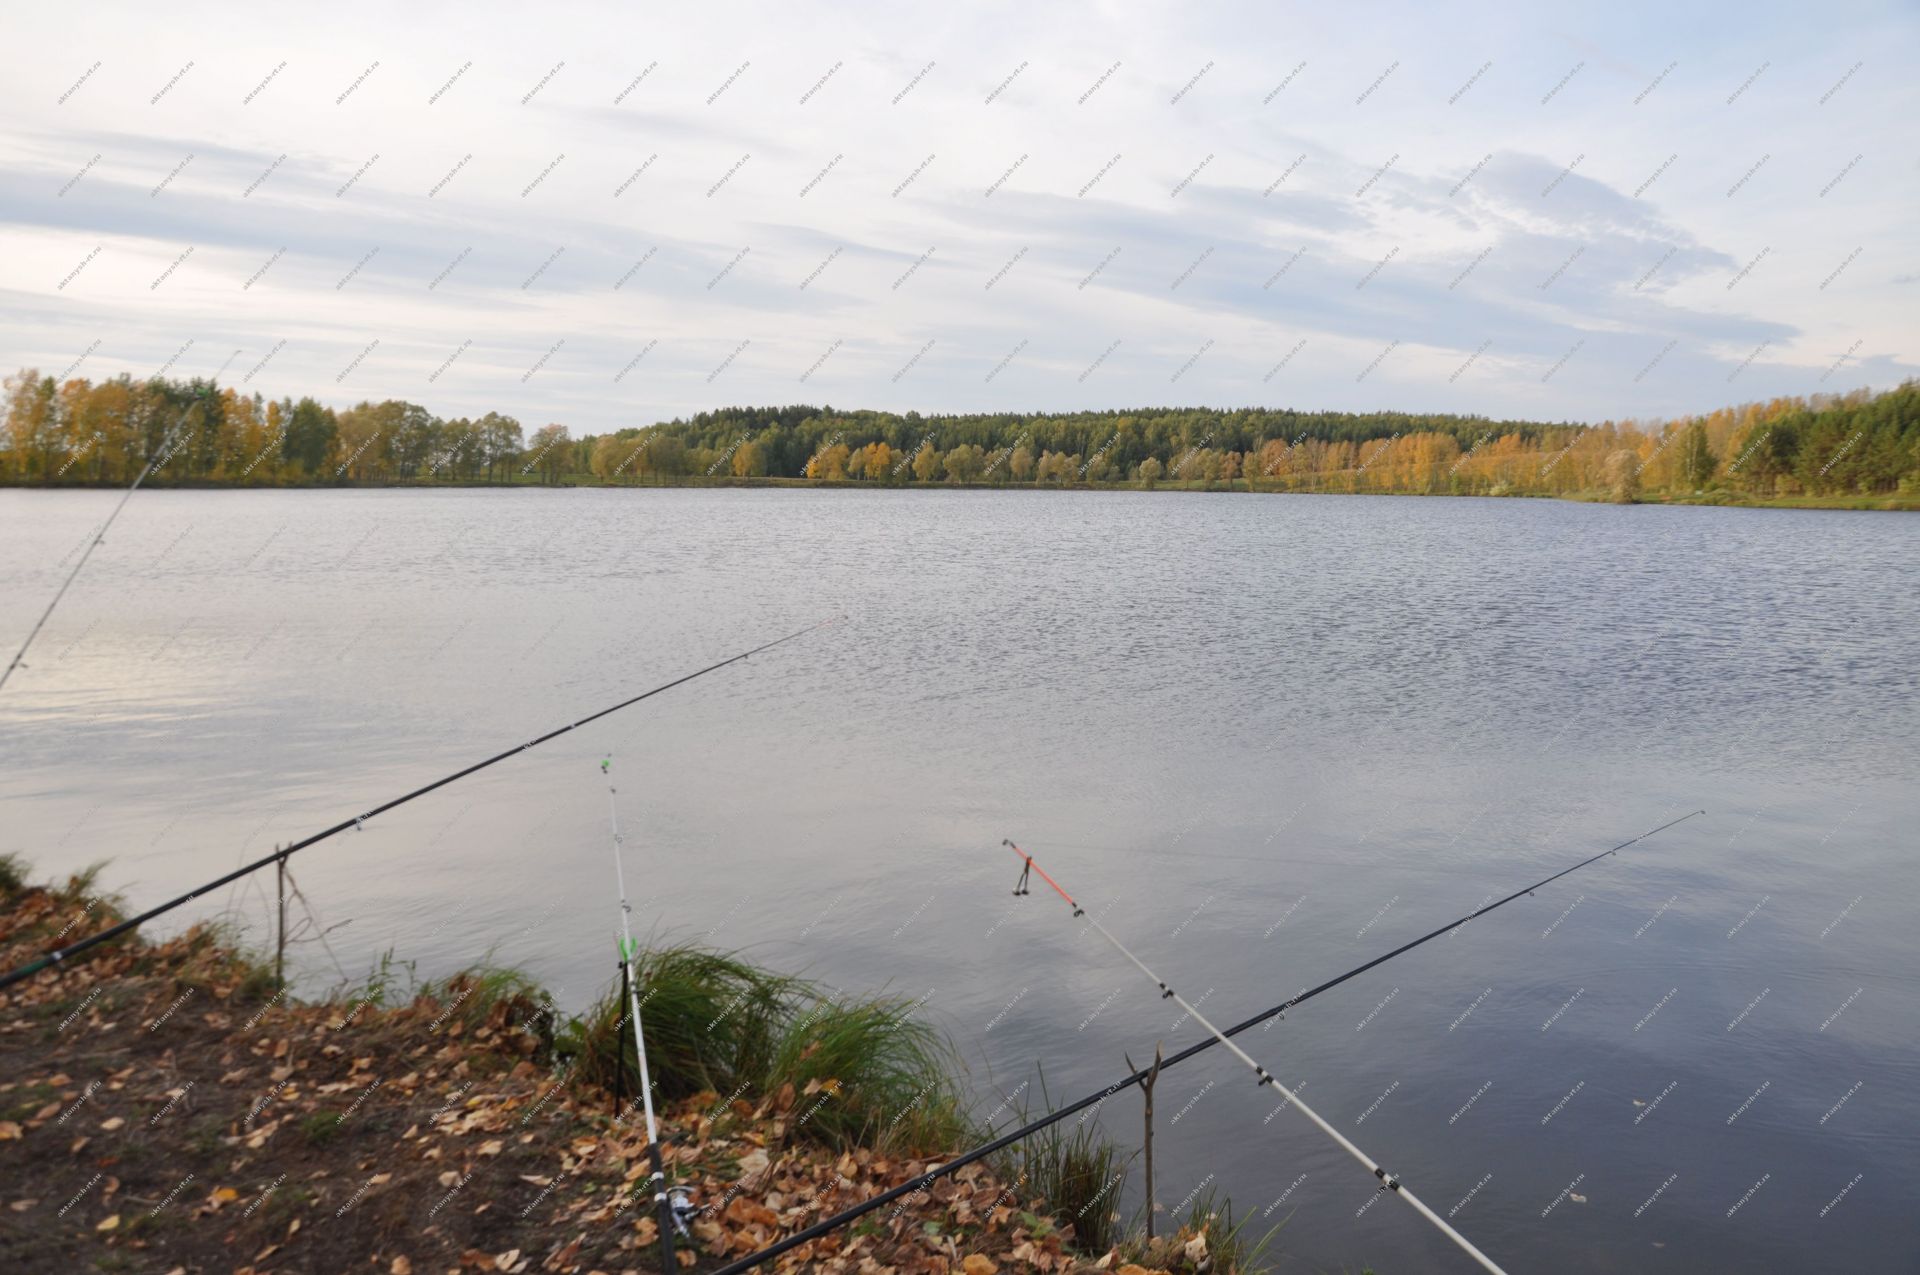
1883 503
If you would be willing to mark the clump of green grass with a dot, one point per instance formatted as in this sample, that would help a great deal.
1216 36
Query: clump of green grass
206 1136
473 996
98 911
382 984
1079 1176
257 980
320 1127
886 1080
218 950
1229 1244
80 884
711 1020
82 887
715 1022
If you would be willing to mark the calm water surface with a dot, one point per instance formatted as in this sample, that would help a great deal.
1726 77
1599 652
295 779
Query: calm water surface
1264 739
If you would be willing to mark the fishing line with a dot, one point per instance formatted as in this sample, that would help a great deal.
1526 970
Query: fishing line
61 954
160 457
828 1225
1388 1182
669 1220
320 928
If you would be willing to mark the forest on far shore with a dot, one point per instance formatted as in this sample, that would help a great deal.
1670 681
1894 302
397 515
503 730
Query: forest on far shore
1823 447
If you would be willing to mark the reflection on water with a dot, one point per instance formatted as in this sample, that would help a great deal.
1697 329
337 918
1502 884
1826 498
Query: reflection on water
1271 737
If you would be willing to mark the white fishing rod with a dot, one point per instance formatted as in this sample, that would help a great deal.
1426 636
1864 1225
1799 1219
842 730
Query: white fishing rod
665 1213
1388 1182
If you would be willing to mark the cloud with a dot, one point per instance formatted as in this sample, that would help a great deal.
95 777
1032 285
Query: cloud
1584 255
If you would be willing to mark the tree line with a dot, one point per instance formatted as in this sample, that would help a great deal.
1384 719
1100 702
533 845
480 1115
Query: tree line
79 432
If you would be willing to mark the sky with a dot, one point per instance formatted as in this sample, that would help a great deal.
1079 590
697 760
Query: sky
607 216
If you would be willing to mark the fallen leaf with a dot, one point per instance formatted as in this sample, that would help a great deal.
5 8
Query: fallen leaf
745 1211
401 1266
492 1146
109 1224
977 1264
225 1194
21 1206
111 1124
9 1131
505 1261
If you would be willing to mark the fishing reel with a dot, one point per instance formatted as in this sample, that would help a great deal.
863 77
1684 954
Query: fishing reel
680 1204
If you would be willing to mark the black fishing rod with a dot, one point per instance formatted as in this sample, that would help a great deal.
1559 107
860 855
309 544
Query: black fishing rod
921 1183
61 954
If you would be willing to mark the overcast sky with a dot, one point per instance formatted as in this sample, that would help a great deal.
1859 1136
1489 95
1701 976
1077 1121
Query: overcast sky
612 216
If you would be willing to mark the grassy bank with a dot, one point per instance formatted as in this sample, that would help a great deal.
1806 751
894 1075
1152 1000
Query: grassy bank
1892 502
167 1107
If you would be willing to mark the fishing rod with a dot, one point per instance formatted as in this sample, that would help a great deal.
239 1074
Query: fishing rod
828 1225
1388 1181
668 1217
58 955
160 457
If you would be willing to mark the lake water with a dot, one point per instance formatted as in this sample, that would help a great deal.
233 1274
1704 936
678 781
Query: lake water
1263 739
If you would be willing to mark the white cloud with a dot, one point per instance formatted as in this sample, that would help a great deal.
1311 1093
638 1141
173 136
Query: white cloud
1494 221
